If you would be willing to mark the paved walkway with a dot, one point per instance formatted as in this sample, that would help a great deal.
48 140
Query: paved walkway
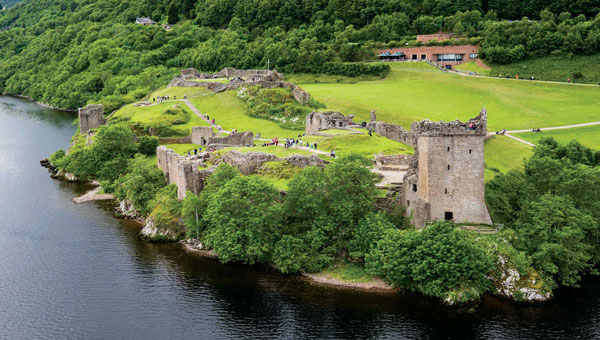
509 133
199 114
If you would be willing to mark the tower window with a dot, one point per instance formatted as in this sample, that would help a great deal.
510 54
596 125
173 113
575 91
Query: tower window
446 191
407 203
448 166
448 149
414 187
448 216
470 150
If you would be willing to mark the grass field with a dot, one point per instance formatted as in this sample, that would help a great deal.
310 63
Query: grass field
557 68
472 66
191 92
150 114
503 154
587 135
359 144
229 112
415 91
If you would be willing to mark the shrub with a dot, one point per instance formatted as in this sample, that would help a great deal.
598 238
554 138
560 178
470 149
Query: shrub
147 145
437 261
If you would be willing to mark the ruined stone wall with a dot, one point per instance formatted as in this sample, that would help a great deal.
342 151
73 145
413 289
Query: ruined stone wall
303 161
382 161
201 135
394 132
182 171
316 121
236 139
180 82
91 117
249 74
248 162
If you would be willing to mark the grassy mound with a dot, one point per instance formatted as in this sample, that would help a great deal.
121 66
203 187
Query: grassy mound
229 112
472 66
363 145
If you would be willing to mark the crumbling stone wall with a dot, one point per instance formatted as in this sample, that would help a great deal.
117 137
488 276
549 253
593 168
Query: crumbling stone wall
180 82
446 177
248 162
382 161
201 135
182 171
91 117
393 132
303 161
235 139
316 121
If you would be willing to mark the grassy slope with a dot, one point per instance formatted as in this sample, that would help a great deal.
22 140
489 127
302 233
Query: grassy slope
359 144
148 114
415 91
191 92
229 112
472 66
503 154
554 68
587 135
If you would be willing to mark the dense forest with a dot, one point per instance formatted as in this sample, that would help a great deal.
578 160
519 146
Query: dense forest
71 52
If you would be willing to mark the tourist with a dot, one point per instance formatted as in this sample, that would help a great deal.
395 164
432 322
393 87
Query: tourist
532 78
153 100
174 97
184 96
213 121
315 146
370 133
569 80
300 143
195 151
517 77
332 154
297 141
507 75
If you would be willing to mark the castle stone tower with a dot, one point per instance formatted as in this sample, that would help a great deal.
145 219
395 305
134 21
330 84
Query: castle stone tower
446 179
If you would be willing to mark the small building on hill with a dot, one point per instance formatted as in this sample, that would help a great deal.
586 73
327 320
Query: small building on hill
317 121
145 21
445 56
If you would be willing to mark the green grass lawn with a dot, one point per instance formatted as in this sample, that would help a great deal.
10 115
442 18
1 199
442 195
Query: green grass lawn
416 90
503 154
359 144
149 114
190 92
229 112
587 135
557 68
348 272
472 66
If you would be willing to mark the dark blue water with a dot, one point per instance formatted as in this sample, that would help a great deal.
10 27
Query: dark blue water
75 272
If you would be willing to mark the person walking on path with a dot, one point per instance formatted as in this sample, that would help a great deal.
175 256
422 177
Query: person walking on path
332 153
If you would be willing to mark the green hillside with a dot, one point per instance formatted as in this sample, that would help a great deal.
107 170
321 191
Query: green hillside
416 91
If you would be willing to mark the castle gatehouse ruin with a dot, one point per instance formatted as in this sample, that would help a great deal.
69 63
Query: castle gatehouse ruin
238 78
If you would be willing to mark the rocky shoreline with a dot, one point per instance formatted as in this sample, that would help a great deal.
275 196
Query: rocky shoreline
41 104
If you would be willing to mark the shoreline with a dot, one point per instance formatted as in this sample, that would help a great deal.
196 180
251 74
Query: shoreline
41 104
378 286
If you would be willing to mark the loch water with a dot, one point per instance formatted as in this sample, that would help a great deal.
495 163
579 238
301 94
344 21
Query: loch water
72 271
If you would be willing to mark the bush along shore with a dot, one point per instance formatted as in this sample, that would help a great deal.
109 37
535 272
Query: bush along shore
327 225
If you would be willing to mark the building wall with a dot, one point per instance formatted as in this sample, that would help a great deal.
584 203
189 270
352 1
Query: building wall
431 51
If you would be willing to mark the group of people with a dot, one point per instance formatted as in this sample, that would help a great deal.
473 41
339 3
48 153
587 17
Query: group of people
290 142
516 76
161 99
198 150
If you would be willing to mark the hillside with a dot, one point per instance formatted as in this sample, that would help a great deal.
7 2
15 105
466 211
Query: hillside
71 52
416 91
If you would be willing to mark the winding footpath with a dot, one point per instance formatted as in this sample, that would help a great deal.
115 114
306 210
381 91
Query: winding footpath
509 133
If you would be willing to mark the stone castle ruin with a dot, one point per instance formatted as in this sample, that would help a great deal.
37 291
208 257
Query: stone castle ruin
445 180
205 136
188 174
239 78
317 121
91 117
